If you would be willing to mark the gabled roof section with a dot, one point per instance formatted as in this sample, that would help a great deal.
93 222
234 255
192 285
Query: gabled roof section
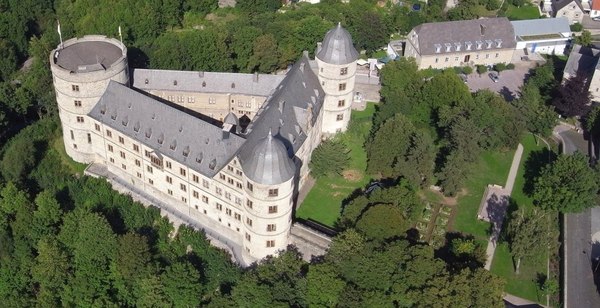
542 26
170 132
205 82
292 109
435 38
596 5
560 4
337 47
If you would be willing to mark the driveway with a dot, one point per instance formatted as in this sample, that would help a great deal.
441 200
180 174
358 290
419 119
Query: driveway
508 85
589 24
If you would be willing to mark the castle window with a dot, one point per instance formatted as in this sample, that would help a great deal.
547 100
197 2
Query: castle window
150 181
222 176
219 206
110 148
249 222
249 204
342 86
237 217
77 103
448 47
488 44
75 88
238 172
195 178
204 199
498 43
121 140
79 119
205 183
341 103
479 44
122 154
108 133
339 117
170 192
136 148
139 175
89 138
123 166
191 99
212 100
219 191
238 201
468 45
97 126
238 185
446 60
227 195
457 46
138 163
230 181
112 160
195 194
271 228
72 135
228 211
497 55
182 171
183 187
272 209
184 199
169 179
438 48
344 71
250 186
270 243
248 238
273 192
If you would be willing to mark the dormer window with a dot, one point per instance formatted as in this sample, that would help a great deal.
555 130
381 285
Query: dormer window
468 45
146 81
204 84
199 158
438 48
448 47
186 151
498 43
457 46
233 85
488 44
173 145
136 127
479 44
174 82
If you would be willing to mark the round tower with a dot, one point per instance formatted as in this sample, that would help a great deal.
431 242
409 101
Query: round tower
81 69
269 186
336 60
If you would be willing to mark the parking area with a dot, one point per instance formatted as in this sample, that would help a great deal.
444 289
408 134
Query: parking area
508 83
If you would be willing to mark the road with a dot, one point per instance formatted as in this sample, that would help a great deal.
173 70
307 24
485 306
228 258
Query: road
579 290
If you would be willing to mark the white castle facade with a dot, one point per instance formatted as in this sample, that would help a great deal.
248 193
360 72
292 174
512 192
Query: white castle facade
230 150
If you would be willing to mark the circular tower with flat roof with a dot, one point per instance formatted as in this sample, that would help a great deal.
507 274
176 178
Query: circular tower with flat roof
81 70
269 186
336 60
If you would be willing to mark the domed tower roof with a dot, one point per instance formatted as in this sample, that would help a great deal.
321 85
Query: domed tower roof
337 47
268 162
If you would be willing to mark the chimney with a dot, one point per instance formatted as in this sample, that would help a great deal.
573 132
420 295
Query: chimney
482 29
305 53
255 77
319 47
226 129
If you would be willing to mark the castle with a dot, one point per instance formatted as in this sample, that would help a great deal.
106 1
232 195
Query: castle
230 150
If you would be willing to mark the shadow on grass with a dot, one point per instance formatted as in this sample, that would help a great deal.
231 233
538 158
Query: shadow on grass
535 163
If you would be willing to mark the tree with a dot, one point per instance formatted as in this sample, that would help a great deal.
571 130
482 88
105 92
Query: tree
567 185
18 160
181 283
481 69
130 266
51 270
538 118
527 232
585 39
381 222
329 158
265 55
499 67
574 99
324 286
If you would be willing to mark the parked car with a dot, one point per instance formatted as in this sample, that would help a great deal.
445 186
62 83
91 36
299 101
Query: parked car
494 77
463 77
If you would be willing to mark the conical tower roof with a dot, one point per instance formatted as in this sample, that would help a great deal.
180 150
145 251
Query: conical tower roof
268 162
337 47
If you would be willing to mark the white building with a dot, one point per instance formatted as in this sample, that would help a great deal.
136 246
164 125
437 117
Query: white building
230 150
543 36
570 9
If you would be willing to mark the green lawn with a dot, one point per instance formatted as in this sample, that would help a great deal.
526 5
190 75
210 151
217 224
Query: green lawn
524 12
522 285
74 167
492 168
323 203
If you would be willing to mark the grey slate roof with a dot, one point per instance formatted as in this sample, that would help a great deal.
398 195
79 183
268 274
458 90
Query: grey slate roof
88 56
558 5
337 47
581 59
541 26
205 82
294 106
270 163
176 134
463 31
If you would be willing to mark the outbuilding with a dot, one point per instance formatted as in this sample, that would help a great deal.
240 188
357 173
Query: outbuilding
543 36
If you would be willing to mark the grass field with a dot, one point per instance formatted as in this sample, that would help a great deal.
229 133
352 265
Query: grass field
492 168
522 285
524 12
324 202
74 167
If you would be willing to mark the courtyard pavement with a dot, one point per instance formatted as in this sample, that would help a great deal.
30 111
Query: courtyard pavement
508 85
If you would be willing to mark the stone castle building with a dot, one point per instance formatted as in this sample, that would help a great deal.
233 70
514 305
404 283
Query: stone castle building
229 150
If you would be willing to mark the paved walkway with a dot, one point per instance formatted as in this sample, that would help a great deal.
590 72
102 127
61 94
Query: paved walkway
496 205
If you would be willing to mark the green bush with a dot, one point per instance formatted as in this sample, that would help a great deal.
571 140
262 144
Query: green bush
329 158
467 70
481 69
576 27
510 66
